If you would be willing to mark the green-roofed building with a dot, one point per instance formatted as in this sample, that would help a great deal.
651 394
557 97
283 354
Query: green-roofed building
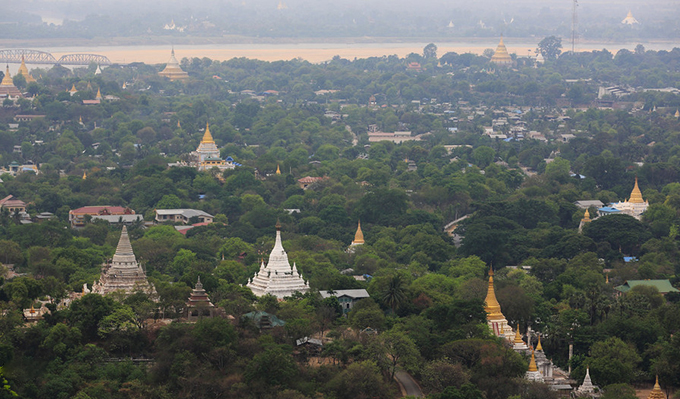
664 286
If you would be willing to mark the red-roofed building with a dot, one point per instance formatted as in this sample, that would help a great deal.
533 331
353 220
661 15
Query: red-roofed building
77 217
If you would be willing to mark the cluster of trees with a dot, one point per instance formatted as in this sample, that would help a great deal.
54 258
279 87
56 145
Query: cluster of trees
426 293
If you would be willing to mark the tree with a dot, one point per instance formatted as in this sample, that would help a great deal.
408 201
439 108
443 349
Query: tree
612 361
399 350
395 292
550 47
430 51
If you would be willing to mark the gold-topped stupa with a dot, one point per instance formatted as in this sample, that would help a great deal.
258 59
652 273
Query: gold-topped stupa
7 86
207 137
7 79
636 194
494 317
99 95
24 71
172 69
539 347
657 393
501 56
73 89
358 236
532 363
278 170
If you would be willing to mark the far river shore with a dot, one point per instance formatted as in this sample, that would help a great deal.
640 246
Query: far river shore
312 50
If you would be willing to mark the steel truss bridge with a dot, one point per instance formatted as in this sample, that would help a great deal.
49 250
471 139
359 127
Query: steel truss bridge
13 56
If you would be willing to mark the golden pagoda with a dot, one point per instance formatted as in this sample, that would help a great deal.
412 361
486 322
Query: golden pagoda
7 86
657 393
99 95
73 89
278 170
172 69
358 236
179 125
207 155
85 175
7 80
532 363
24 71
539 347
495 318
80 120
636 194
89 86
207 137
501 56
677 113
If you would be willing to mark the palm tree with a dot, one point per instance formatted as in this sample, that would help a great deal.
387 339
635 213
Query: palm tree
394 293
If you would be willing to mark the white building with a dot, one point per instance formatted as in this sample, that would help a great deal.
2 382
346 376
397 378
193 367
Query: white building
278 277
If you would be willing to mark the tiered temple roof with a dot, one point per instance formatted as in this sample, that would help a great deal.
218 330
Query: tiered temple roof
172 69
501 56
278 277
199 304
123 273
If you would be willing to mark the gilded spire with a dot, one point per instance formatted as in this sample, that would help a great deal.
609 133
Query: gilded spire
85 175
99 94
677 113
656 393
359 235
586 216
207 137
636 195
501 56
532 363
539 347
73 89
278 170
518 337
493 308
7 80
24 71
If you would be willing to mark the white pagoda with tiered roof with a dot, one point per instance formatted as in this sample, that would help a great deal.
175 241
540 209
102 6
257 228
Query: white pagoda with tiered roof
277 277
123 273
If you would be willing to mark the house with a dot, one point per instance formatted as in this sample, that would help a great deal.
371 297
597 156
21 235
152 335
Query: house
78 217
183 216
664 286
347 298
306 182
585 204
120 219
13 204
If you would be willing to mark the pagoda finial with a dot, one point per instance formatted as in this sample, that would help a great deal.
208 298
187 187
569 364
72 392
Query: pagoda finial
532 363
493 308
99 94
636 194
359 235
7 80
538 346
278 225
199 285
85 175
207 137
278 169
518 337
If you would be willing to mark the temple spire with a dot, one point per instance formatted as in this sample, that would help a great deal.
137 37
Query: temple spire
278 169
359 235
7 80
207 137
636 194
538 346
493 308
99 94
532 363
656 393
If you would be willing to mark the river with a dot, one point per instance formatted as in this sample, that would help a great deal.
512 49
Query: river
314 52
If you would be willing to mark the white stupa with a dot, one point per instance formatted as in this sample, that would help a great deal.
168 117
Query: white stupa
587 388
277 277
630 19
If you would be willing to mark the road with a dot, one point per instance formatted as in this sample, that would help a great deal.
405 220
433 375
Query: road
409 386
